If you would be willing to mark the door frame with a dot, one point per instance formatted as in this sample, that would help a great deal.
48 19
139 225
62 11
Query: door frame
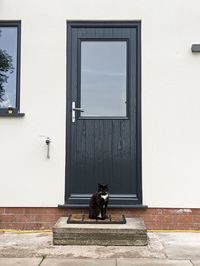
106 24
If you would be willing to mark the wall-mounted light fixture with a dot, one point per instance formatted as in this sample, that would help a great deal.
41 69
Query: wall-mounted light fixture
195 48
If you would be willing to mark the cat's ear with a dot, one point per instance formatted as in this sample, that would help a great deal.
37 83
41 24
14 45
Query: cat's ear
99 186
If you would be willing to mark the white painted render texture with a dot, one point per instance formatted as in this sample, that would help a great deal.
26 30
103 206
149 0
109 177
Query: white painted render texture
170 100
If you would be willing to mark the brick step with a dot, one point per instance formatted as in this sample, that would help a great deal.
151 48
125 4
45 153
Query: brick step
132 233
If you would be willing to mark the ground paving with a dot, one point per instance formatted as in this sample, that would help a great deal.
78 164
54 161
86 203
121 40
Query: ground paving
36 249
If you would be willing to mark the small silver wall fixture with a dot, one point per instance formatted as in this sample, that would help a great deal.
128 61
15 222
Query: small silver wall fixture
48 141
195 48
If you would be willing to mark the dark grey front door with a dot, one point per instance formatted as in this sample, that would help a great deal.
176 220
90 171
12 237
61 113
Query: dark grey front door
103 141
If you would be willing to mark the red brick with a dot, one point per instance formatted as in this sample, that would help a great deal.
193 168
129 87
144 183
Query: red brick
2 210
183 219
26 218
196 211
7 218
155 211
153 226
47 218
127 212
195 226
36 210
166 219
55 211
196 219
14 210
149 218
34 226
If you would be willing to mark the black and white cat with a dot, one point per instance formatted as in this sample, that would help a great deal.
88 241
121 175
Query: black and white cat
99 202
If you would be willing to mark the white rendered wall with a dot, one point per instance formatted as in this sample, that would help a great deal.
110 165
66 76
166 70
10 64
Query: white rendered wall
170 99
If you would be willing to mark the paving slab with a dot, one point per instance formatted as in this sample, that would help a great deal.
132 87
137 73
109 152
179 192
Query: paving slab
196 262
20 261
40 244
77 262
152 262
181 245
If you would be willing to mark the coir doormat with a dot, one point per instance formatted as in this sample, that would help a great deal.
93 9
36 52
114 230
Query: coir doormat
84 219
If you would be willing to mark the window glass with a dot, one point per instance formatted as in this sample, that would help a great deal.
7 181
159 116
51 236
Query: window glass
8 66
103 78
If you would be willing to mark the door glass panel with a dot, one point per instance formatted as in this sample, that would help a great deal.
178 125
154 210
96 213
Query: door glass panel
103 78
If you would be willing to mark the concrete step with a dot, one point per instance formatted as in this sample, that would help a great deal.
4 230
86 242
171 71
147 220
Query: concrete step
133 233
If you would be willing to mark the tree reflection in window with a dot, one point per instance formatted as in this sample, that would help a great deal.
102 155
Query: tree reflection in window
8 67
5 67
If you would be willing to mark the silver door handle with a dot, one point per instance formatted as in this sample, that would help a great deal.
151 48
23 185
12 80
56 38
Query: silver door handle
74 110
78 109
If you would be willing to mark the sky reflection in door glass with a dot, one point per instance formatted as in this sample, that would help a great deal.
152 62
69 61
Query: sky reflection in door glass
103 78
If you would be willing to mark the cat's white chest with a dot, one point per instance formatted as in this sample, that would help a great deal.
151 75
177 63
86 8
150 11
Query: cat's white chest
105 197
